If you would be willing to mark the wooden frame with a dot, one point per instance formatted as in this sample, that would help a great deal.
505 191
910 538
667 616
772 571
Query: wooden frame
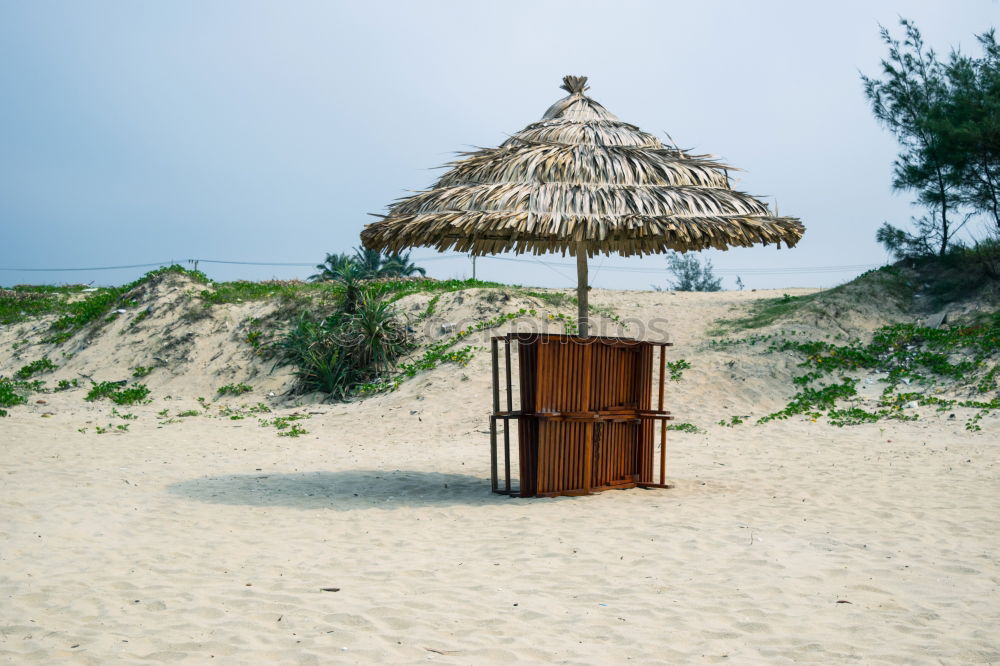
585 422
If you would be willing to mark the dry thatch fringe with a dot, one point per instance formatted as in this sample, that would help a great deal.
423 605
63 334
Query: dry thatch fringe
581 174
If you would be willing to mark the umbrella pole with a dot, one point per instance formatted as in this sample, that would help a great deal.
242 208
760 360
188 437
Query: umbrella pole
582 312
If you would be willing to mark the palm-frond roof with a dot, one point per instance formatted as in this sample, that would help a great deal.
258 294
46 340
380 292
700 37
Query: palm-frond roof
581 175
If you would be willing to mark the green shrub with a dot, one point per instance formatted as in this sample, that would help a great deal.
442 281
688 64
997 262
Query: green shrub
338 353
235 389
34 385
117 393
677 369
36 367
100 390
286 425
22 303
130 396
685 427
9 396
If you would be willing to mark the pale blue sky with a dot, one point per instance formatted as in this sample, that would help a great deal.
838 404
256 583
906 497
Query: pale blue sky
136 132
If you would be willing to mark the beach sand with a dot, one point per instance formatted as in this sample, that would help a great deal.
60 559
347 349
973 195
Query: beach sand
374 537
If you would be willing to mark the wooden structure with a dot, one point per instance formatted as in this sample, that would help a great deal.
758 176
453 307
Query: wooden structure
583 182
585 421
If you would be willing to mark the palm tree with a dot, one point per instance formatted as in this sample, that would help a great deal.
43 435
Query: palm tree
330 268
369 262
399 265
365 265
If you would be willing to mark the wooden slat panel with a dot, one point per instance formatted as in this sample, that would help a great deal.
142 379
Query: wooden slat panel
586 419
544 377
551 431
574 478
527 442
529 378
615 452
562 377
607 445
541 485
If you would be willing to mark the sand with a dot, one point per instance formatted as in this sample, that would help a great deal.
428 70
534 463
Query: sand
374 538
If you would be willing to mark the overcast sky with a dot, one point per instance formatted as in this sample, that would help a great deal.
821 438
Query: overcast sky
141 132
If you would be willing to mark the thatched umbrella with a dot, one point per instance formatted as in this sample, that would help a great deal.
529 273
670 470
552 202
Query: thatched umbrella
583 182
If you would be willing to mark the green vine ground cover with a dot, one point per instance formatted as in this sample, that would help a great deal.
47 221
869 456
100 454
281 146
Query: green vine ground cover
118 393
960 357
76 307
74 312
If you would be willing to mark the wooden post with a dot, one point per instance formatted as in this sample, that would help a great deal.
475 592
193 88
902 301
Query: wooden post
587 405
494 481
663 422
506 422
581 289
506 353
496 375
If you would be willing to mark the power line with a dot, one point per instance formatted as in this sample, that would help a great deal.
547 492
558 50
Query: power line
551 265
254 263
97 268
160 263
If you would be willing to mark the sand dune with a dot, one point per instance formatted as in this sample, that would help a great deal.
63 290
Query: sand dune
211 540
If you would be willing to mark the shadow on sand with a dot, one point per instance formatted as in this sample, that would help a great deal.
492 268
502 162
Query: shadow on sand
347 490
